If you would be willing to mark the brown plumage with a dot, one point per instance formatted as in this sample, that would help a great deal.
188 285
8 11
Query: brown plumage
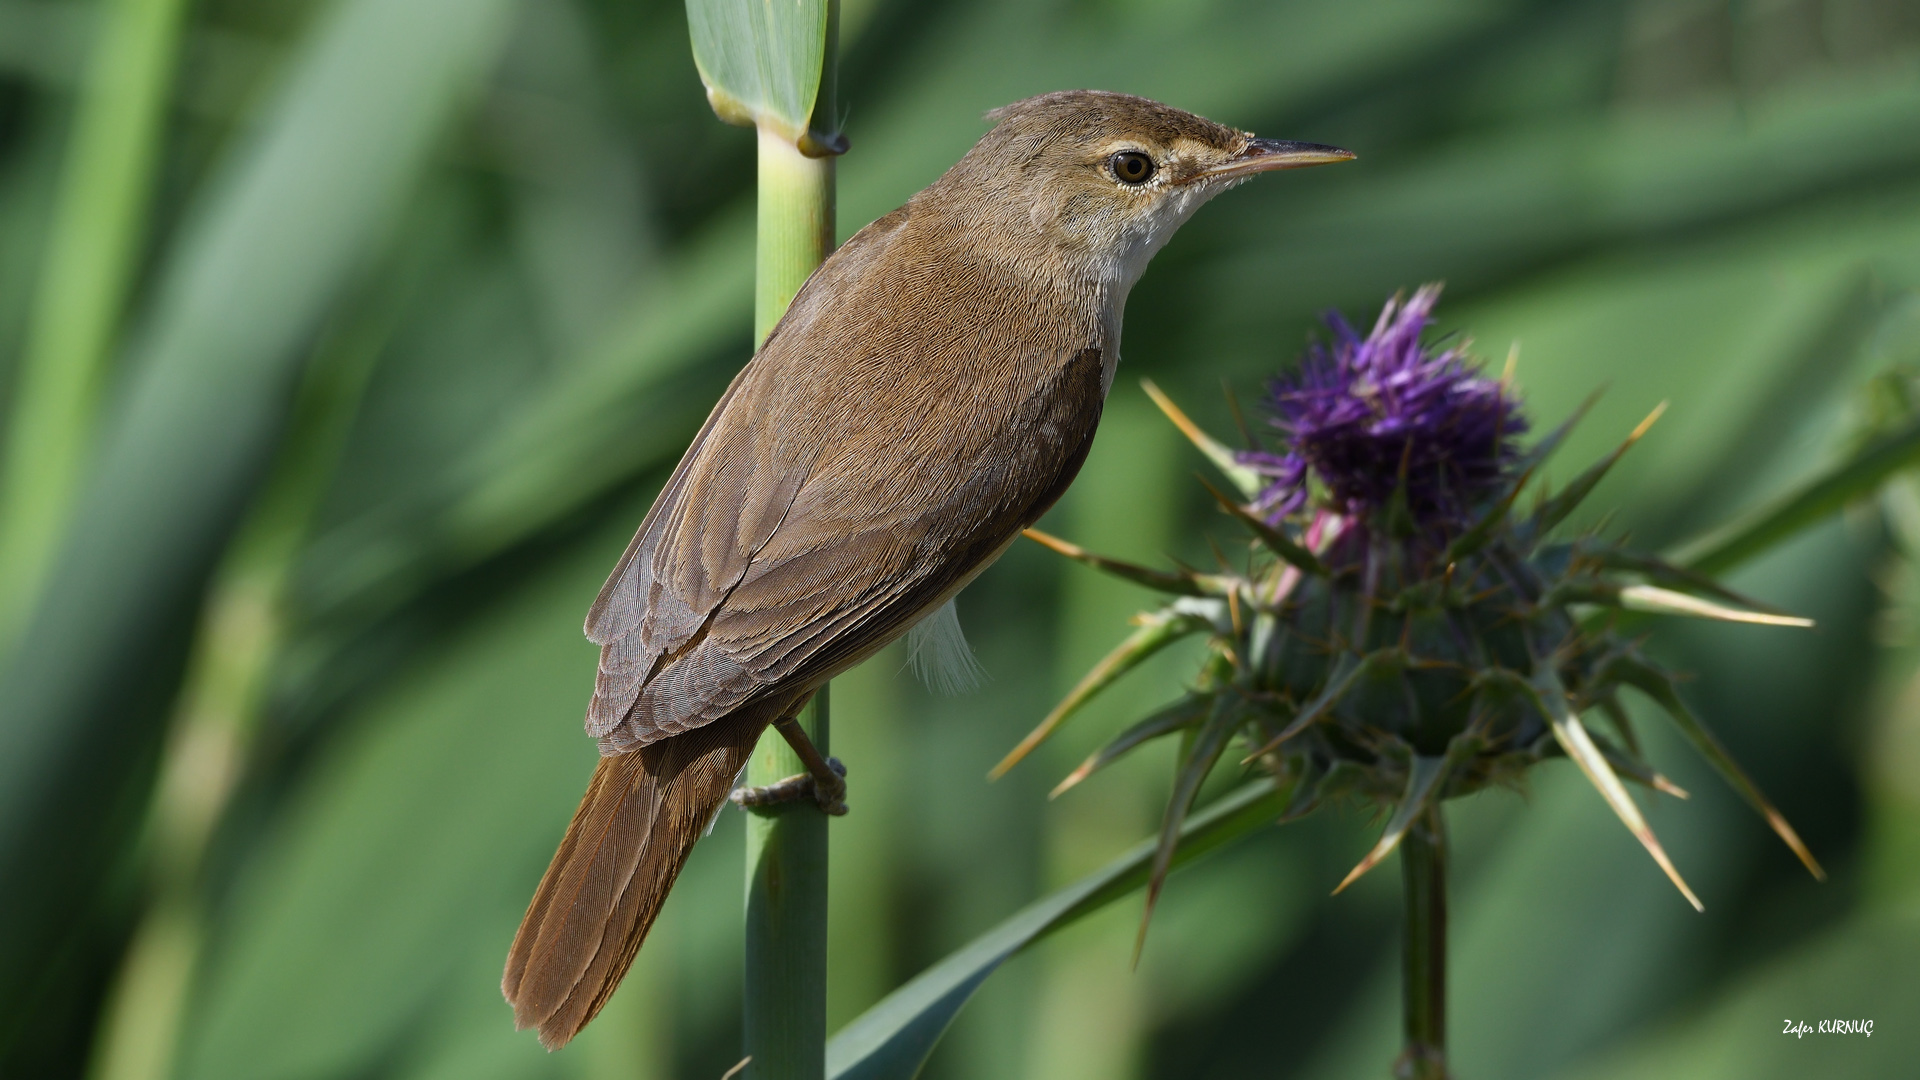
931 391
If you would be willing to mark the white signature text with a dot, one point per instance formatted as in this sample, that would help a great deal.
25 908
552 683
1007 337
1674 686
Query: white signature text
1799 1029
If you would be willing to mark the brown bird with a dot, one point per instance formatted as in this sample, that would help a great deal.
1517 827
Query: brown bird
931 391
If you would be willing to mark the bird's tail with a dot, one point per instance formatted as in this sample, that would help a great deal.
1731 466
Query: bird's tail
639 819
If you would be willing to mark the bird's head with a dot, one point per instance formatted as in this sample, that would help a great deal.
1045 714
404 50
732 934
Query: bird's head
1104 179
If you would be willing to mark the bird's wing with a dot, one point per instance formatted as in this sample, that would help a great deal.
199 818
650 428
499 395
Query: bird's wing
818 516
623 603
640 615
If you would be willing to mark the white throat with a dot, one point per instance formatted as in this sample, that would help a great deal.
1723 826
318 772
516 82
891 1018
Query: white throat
1126 258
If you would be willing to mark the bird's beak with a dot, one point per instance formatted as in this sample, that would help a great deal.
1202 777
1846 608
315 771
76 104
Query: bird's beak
1266 155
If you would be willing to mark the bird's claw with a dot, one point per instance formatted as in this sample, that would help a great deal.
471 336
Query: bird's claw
827 792
830 792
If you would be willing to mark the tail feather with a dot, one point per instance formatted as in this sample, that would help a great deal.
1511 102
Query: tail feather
636 824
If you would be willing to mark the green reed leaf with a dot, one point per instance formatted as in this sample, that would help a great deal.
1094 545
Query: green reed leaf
1807 504
281 228
892 1040
92 252
761 63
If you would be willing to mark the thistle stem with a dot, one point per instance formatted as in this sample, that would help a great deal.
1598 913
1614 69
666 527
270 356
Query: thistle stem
785 1009
1423 868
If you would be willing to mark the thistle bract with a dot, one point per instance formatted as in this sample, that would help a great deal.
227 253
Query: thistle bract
1402 632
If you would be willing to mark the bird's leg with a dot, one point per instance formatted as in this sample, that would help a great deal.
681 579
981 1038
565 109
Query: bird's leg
824 781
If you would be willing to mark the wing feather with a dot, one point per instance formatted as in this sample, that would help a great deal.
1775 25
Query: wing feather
827 506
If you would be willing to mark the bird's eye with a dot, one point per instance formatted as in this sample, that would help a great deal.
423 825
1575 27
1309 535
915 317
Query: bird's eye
1131 167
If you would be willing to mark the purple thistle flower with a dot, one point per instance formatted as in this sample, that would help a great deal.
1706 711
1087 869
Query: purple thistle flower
1360 411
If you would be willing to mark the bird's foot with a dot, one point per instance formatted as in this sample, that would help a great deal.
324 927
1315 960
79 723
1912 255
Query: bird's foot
828 791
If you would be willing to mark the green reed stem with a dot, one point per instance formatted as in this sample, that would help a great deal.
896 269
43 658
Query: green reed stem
795 227
786 985
786 918
93 246
1423 870
212 730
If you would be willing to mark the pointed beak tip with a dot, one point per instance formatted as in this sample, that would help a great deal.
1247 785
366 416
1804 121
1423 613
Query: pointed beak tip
1269 155
1286 154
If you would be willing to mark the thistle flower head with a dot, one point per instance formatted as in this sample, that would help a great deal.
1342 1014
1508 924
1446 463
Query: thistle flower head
1366 415
1347 668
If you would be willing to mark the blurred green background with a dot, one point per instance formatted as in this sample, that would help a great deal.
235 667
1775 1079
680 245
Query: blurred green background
344 342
